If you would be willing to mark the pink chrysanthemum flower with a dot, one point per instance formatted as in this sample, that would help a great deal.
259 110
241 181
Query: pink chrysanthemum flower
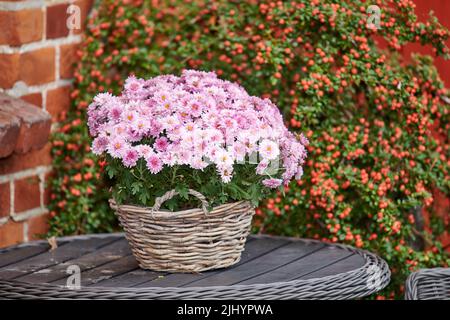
116 148
115 113
272 183
197 120
130 158
269 149
161 144
144 150
100 144
154 164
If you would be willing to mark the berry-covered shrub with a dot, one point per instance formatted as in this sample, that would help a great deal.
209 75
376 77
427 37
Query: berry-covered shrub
378 126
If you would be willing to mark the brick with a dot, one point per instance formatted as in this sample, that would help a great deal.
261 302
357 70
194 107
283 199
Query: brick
33 67
4 199
57 21
34 123
33 98
11 233
33 135
58 100
19 162
9 66
38 66
27 194
68 58
19 27
85 8
9 133
37 226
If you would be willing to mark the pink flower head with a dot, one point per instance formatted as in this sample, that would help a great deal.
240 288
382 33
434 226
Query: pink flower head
304 140
226 173
223 158
130 116
130 158
272 183
185 156
194 107
268 149
144 150
238 151
154 164
198 163
103 98
170 122
141 126
161 144
228 124
132 84
299 173
155 128
99 145
116 147
115 113
134 88
262 166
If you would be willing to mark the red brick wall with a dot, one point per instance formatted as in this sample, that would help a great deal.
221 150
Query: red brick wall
24 166
37 52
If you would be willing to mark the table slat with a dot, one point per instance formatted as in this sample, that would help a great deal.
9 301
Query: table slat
253 249
340 266
105 271
84 257
20 254
263 264
131 278
309 263
38 264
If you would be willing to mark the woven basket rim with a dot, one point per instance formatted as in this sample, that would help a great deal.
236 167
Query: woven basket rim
135 209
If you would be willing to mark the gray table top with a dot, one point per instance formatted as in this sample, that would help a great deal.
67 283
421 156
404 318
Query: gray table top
268 264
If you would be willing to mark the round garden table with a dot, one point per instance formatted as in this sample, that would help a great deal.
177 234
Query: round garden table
102 267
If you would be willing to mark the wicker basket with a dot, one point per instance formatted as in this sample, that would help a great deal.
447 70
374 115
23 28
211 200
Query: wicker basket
191 240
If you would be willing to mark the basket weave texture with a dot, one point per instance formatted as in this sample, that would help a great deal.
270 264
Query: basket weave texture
191 240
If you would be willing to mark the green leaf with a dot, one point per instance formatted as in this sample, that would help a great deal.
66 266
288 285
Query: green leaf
136 187
183 190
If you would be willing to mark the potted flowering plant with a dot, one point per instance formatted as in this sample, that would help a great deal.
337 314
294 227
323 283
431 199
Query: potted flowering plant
171 143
